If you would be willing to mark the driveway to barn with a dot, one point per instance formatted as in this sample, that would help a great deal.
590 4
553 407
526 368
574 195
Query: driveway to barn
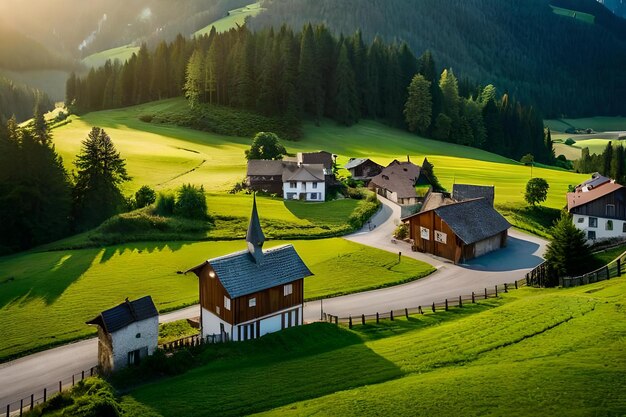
30 374
523 252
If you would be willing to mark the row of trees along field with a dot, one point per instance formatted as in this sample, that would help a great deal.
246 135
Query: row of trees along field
19 101
39 200
610 163
314 73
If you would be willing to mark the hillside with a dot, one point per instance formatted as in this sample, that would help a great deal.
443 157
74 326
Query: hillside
517 46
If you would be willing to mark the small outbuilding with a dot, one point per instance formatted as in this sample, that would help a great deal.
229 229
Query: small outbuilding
459 231
126 333
247 294
363 169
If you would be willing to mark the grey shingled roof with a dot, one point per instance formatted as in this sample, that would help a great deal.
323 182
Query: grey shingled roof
126 313
461 192
265 167
322 157
355 162
473 220
313 172
240 275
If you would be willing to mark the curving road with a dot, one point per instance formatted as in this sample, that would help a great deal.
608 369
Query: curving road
21 377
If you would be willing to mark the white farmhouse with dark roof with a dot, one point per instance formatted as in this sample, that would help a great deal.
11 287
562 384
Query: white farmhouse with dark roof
304 182
247 294
126 333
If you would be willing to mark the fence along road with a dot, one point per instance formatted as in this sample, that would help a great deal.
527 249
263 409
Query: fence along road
20 378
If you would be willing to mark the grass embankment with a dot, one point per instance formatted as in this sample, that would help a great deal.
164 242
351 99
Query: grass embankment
531 352
121 53
45 298
583 17
169 332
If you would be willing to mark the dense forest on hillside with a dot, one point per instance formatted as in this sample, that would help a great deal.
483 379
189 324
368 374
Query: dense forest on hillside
19 101
561 65
19 52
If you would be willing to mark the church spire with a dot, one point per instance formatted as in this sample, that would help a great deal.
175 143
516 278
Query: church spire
255 236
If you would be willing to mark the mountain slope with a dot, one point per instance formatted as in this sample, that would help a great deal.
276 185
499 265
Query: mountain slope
519 46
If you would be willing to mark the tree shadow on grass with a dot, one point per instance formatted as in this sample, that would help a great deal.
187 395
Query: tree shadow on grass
148 247
293 365
43 275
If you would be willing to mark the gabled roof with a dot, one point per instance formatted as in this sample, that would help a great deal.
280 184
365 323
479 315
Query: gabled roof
435 200
580 198
124 314
322 157
462 192
399 177
595 181
312 173
355 162
240 275
471 220
265 167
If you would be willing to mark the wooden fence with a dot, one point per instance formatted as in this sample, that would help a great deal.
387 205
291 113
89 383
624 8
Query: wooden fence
18 408
539 276
443 305
195 340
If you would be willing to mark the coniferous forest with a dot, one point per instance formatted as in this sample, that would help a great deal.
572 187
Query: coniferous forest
315 74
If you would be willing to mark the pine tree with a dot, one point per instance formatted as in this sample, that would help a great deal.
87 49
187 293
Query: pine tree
39 125
567 253
346 100
607 158
160 71
418 107
101 171
143 76
194 84
309 75
450 91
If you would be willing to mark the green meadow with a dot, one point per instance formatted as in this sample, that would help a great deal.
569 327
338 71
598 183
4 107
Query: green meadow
583 17
236 17
121 53
46 297
530 352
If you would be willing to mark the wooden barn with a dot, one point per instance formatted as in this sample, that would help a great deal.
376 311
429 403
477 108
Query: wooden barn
363 169
247 294
459 231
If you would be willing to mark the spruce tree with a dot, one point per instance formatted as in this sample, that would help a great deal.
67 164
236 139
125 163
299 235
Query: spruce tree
418 107
567 254
607 158
346 101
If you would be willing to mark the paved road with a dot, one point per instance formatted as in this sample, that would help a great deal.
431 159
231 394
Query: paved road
30 374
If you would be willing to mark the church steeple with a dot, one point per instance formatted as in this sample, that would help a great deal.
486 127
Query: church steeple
255 236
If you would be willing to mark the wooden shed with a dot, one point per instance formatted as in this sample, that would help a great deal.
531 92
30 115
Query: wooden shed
459 231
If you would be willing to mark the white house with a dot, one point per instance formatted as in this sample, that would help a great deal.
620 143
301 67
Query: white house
126 333
598 207
247 294
304 182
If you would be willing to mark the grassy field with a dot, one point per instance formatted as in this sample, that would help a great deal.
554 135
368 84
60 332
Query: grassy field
531 352
45 298
122 53
599 124
166 156
236 17
583 17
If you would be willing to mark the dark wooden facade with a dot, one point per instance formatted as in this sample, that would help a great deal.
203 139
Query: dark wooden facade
610 206
266 183
454 248
367 169
268 301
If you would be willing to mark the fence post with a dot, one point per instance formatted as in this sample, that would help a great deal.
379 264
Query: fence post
473 297
45 394
82 375
433 306
419 310
515 284
506 287
91 371
21 407
619 267
446 304
8 409
496 290
60 386
32 401
608 273
406 312
337 320
460 301
72 379
350 322
377 318
391 315
363 319
485 293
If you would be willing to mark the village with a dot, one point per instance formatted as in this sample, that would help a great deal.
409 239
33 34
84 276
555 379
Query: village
250 293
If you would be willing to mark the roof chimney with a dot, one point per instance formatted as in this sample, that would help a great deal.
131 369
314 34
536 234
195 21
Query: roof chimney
255 236
408 158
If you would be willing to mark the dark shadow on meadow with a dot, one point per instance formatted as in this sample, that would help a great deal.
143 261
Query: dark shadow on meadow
276 370
148 247
518 254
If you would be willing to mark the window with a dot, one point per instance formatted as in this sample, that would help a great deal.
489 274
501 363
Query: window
314 185
287 289
135 356
293 184
252 302
218 310
226 303
610 210
624 227
291 196
609 225
591 235
313 196
593 222
581 220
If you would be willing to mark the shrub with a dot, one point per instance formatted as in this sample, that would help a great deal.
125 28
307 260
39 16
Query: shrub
362 213
569 141
354 193
191 202
401 232
145 196
165 204
146 118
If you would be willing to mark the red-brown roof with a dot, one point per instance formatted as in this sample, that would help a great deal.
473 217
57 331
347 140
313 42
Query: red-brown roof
580 198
